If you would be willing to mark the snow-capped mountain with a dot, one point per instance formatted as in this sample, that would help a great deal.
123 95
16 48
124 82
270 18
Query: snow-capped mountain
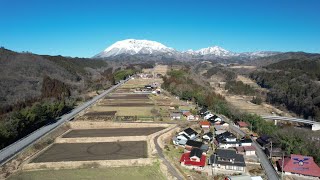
215 50
148 48
133 46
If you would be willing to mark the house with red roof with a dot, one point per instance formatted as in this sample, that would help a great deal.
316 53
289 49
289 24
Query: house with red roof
205 126
300 165
195 159
242 124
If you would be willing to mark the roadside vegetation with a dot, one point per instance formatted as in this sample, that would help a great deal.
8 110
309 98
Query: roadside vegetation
29 119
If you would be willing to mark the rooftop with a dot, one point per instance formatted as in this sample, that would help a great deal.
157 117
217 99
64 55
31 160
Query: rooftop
299 164
190 131
187 161
242 124
193 143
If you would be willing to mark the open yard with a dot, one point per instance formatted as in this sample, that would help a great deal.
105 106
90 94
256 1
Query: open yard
93 151
118 173
77 133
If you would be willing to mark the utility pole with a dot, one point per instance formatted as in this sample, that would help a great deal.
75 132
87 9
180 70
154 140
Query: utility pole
282 165
271 151
214 164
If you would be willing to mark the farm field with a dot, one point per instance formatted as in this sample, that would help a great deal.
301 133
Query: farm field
93 151
112 132
121 173
100 138
126 111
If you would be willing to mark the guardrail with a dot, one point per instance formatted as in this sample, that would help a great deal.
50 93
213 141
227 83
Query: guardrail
290 119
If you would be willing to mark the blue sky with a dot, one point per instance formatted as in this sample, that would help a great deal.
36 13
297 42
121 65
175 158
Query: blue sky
84 28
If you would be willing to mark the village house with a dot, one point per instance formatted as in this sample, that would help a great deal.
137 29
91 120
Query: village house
189 116
226 140
214 119
254 136
227 159
299 165
242 124
191 144
205 126
180 139
246 150
246 142
203 112
263 140
208 136
276 153
175 116
219 129
184 136
192 134
195 159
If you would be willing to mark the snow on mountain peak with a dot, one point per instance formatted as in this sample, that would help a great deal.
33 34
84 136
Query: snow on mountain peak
146 47
214 50
133 46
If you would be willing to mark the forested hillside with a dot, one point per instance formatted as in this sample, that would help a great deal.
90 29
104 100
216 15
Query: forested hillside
36 89
293 83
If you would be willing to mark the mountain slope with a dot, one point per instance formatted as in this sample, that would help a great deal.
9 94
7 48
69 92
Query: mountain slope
22 74
146 49
132 47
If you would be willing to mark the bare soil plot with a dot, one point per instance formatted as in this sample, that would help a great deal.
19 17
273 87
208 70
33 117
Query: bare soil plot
93 151
127 104
102 113
128 96
126 111
112 132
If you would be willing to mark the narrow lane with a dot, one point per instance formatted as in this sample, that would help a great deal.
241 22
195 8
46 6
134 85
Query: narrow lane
266 164
172 170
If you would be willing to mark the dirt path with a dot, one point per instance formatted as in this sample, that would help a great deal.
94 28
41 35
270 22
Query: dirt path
172 170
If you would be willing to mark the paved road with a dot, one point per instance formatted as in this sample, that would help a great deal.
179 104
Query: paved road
12 150
267 166
172 170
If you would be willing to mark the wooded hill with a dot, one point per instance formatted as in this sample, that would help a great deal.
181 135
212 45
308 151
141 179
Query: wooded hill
293 83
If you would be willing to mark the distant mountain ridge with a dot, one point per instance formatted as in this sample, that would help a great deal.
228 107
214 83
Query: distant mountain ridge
148 48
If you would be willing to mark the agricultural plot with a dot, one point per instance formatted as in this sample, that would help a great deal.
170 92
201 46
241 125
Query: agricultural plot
126 111
128 96
77 133
93 151
103 113
133 173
